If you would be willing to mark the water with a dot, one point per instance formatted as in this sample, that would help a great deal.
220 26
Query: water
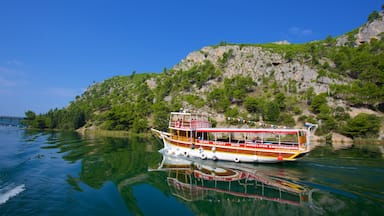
62 173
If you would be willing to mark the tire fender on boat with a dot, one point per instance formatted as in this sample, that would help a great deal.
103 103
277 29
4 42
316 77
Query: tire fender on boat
203 156
186 154
201 150
237 160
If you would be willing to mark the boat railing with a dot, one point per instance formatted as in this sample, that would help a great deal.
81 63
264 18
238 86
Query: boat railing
190 124
251 144
180 124
200 124
181 138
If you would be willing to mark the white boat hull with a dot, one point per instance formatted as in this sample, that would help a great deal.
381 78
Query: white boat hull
177 150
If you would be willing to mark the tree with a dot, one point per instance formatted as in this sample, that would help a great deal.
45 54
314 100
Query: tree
40 122
272 112
309 94
139 125
232 112
363 125
329 40
237 87
287 120
30 115
252 104
318 101
373 16
280 100
160 115
218 100
36 121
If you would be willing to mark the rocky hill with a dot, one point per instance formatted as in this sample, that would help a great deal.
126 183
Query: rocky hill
373 29
325 82
256 62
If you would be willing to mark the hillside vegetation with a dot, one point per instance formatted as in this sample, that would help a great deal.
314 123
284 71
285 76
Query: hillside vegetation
241 84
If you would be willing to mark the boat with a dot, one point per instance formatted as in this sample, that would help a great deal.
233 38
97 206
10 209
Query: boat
191 135
194 180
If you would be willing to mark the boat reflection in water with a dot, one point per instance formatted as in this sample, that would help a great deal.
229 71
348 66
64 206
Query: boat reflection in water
194 179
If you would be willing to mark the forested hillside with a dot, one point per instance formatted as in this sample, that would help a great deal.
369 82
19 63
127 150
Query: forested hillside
241 84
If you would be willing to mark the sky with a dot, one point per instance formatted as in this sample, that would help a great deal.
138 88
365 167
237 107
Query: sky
52 50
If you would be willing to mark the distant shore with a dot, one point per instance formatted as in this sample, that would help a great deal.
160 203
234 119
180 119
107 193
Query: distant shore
339 141
93 131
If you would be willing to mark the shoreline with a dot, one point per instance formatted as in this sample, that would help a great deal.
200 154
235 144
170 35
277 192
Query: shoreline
93 131
338 141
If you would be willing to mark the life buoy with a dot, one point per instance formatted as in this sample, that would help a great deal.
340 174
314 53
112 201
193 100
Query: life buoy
237 160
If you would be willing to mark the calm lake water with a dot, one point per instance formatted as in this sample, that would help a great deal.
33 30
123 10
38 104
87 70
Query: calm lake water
63 173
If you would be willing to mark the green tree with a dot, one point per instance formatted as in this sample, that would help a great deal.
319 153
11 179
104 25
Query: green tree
280 99
287 120
237 87
318 101
309 94
252 104
160 115
30 115
218 100
40 122
232 112
272 112
363 125
29 118
373 16
139 125
329 40
120 117
340 114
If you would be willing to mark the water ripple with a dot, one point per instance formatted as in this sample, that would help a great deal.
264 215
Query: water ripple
10 191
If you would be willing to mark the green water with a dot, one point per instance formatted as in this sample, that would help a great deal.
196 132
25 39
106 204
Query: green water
63 173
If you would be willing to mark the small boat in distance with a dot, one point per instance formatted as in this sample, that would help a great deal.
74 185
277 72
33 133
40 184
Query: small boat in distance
191 135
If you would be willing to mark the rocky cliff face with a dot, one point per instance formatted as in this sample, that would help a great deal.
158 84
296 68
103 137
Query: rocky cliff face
256 62
365 33
371 30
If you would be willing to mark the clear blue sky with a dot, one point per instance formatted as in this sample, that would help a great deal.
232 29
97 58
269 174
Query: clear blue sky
52 50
